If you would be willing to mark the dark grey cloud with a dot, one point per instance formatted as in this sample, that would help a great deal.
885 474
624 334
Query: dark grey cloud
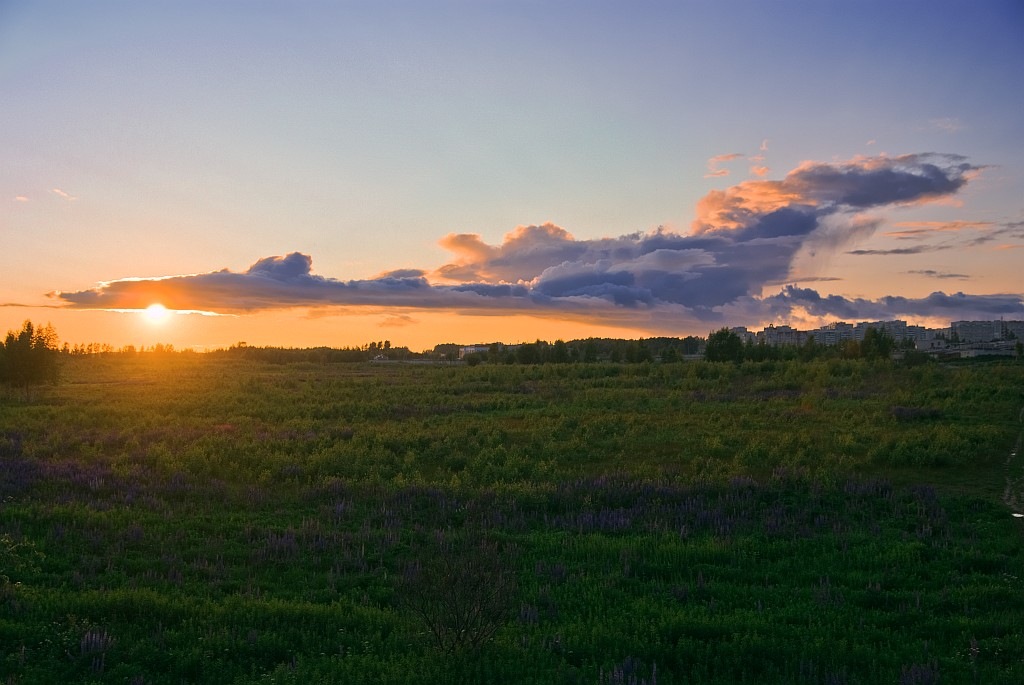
744 239
938 305
867 183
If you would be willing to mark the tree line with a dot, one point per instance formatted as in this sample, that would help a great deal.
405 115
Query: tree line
725 345
31 356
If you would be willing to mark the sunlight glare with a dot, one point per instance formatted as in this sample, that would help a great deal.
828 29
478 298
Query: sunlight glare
157 313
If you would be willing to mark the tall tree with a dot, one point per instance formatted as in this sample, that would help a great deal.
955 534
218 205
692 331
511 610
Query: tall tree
724 346
877 344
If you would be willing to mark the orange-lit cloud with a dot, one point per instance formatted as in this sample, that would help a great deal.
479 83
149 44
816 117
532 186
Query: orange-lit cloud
745 238
66 196
715 169
819 189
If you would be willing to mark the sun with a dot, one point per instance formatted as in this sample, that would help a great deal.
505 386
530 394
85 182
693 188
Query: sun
157 313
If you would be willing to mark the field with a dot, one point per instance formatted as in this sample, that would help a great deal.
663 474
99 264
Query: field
184 518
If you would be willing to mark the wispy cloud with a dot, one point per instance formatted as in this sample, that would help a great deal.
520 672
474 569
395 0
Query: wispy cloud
743 239
715 169
21 198
397 321
931 273
916 229
945 124
64 195
952 234
917 249
805 279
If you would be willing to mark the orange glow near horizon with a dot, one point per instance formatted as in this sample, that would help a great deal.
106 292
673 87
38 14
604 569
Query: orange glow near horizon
417 330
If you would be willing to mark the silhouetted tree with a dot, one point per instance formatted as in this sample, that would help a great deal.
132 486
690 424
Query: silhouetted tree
529 353
809 350
724 346
29 357
691 344
560 352
877 344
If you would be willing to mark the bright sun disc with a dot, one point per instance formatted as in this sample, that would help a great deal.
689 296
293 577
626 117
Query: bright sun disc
157 313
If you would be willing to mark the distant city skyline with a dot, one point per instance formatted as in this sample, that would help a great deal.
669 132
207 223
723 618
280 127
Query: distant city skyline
303 174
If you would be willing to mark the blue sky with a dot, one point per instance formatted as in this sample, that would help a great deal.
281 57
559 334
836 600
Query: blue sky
173 139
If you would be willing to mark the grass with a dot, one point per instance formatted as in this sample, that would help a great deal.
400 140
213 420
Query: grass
211 519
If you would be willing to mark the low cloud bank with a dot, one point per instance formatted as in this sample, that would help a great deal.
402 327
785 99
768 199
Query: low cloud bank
743 239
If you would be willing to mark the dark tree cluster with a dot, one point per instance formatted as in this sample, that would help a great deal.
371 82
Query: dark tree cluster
322 355
587 351
29 356
725 345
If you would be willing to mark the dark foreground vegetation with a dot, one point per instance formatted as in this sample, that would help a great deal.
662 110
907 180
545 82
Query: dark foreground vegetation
219 519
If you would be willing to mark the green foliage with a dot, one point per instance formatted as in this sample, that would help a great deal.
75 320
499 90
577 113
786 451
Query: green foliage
724 346
462 588
222 518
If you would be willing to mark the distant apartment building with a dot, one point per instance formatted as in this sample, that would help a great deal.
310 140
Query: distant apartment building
744 334
833 333
964 332
897 329
783 335
976 331
1012 330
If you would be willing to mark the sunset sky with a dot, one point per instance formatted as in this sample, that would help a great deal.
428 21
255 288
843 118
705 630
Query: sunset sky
335 173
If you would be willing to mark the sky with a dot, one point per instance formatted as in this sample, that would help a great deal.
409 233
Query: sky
336 173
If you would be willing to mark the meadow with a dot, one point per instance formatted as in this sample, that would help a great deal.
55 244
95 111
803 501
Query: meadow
187 518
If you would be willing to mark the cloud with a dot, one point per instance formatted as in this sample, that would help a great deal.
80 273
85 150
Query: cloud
945 124
20 198
759 170
937 274
919 249
744 239
913 229
397 321
60 193
954 234
807 279
936 305
714 164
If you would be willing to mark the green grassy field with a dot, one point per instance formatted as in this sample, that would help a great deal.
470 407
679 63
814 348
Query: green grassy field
212 519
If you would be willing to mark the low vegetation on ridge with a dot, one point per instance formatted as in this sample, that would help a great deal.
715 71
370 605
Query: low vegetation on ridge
172 518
